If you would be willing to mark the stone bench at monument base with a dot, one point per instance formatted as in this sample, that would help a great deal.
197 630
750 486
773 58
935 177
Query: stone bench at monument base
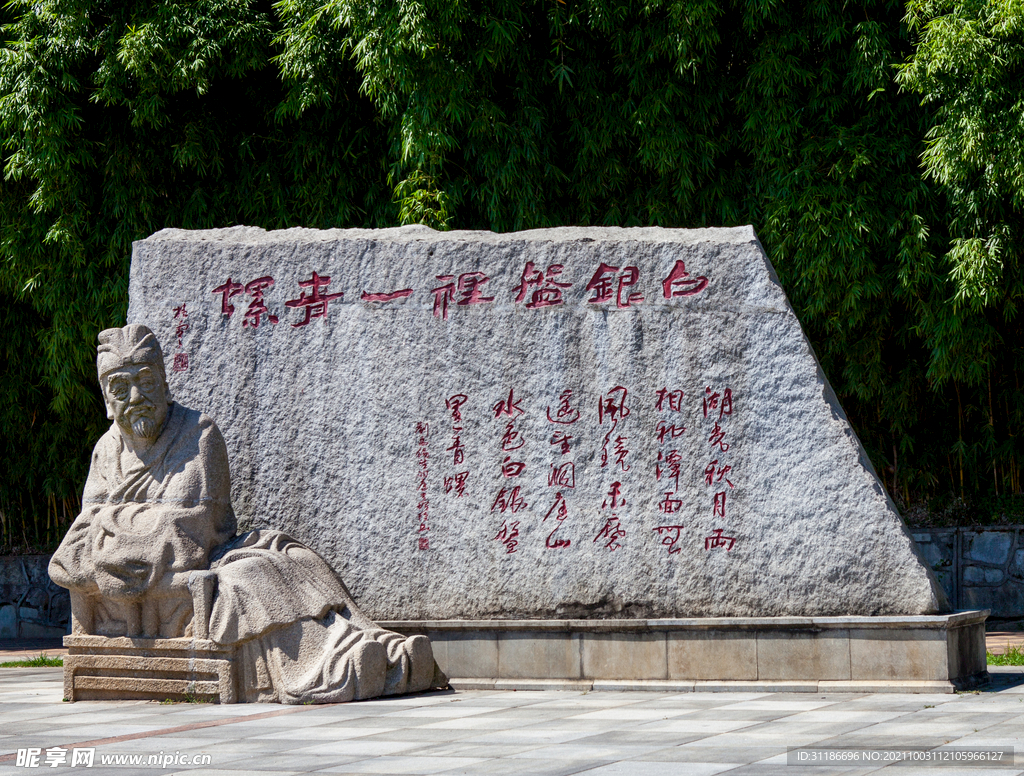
101 668
940 653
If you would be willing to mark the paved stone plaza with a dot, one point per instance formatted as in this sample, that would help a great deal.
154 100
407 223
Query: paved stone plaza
599 733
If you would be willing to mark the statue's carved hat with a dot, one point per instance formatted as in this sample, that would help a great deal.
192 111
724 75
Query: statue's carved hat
133 344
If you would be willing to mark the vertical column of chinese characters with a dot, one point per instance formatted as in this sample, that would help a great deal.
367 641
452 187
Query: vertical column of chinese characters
455 485
608 284
509 500
563 473
181 325
717 408
669 406
612 409
423 505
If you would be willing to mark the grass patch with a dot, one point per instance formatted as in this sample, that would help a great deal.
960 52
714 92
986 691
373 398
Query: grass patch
187 698
42 661
1014 656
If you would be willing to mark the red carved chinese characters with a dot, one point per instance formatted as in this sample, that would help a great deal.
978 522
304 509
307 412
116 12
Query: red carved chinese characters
559 511
607 276
315 304
714 474
469 284
566 414
679 282
715 401
718 508
508 535
669 535
508 406
509 501
612 407
511 440
670 505
423 506
716 540
611 533
674 399
621 451
456 483
510 468
668 465
718 438
227 289
257 307
547 291
718 410
664 431
180 363
561 439
614 499
562 475
387 297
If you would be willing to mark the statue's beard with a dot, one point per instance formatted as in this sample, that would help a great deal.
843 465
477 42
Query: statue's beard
145 427
141 423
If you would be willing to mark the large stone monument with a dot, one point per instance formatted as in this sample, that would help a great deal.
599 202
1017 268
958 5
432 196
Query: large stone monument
157 574
595 455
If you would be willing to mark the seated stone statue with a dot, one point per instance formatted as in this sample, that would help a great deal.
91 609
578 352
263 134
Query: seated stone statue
154 554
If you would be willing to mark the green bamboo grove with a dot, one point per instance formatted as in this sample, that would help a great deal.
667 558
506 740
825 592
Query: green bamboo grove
876 147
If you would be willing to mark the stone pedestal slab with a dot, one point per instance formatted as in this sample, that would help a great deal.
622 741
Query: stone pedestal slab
101 668
939 653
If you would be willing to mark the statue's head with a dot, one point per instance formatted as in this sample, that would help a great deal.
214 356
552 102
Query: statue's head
131 371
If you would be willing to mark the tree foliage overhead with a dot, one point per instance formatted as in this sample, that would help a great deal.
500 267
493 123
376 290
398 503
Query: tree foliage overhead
121 118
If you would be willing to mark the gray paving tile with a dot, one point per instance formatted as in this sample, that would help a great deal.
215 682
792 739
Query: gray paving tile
639 736
575 750
547 733
774 769
509 767
634 768
722 753
413 765
296 762
469 749
423 736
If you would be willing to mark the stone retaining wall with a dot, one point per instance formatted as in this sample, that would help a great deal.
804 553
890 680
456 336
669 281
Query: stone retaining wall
31 606
979 568
927 654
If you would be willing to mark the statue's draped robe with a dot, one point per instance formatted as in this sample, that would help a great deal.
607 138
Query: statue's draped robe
145 530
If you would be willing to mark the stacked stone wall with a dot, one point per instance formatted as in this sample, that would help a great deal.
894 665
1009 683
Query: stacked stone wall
979 568
31 605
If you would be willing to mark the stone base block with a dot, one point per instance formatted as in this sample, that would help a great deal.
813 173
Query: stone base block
101 668
939 653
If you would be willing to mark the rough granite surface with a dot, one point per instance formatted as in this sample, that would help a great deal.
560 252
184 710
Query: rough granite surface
342 430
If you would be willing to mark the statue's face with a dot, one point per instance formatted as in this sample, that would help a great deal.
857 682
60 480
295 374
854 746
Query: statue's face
136 399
